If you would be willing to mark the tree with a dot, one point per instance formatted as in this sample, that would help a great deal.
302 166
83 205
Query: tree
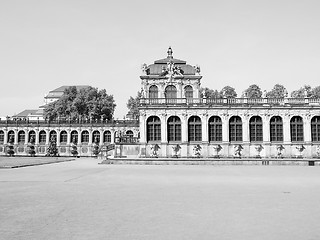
95 148
52 150
278 91
302 92
133 106
89 103
74 149
10 148
210 93
315 93
228 92
253 91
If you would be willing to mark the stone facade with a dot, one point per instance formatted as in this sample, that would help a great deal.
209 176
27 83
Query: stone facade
266 128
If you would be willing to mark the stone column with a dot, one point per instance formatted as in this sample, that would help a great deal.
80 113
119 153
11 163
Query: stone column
225 128
101 137
90 137
47 136
26 136
184 128
245 129
58 137
142 127
15 137
286 129
204 127
79 136
307 129
5 140
37 136
266 129
112 136
163 120
68 136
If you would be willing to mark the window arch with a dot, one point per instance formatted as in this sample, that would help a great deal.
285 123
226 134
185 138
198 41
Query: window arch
296 129
74 136
315 129
153 129
95 136
174 129
32 136
63 137
53 135
194 129
256 132
1 136
85 136
235 129
215 129
42 137
153 91
129 134
170 94
11 136
107 136
188 92
276 129
21 137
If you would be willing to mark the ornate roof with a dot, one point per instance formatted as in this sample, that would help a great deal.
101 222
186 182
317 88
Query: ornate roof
165 66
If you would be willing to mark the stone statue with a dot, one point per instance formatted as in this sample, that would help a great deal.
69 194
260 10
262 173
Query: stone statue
176 150
154 150
217 149
237 150
300 149
264 95
259 148
197 68
145 69
197 150
280 148
318 151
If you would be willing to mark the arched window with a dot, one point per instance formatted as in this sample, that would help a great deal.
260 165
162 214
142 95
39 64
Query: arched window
215 129
85 136
153 91
96 136
63 137
74 136
256 133
42 137
296 129
53 135
188 92
276 129
315 129
107 136
174 129
129 134
1 136
11 136
194 129
235 129
153 129
32 136
171 94
21 137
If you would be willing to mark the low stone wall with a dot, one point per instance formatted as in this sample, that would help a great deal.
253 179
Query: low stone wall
212 161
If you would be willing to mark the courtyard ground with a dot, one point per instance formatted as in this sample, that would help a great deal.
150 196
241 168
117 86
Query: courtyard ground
82 199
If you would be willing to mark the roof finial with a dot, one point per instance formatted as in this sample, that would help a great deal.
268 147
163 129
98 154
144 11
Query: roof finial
170 52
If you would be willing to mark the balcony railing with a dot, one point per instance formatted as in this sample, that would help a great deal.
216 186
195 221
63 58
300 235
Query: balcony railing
229 101
93 123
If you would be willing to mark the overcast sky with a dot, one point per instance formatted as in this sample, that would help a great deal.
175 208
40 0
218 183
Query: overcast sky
46 44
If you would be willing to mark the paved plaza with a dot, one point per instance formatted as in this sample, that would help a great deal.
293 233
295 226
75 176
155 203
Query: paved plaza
82 199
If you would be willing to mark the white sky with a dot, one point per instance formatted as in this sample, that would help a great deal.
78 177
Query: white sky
46 44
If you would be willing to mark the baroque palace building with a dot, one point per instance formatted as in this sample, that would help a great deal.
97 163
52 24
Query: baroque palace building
176 121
